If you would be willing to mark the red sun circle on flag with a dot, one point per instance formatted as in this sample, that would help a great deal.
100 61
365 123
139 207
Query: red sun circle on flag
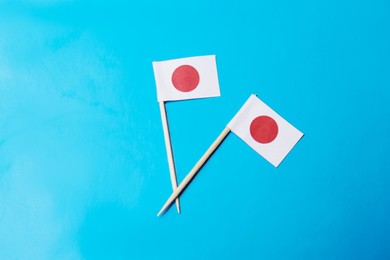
185 78
264 129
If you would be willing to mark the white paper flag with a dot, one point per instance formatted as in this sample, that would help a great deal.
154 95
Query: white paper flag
264 130
186 78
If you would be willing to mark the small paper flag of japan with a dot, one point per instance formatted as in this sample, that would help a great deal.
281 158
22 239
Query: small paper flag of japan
264 130
186 78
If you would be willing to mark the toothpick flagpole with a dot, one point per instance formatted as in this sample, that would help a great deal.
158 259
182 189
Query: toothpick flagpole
168 147
195 169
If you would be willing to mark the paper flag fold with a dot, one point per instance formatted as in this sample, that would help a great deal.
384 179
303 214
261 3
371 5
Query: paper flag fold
186 78
264 130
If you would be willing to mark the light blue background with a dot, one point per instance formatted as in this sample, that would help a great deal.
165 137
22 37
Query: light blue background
83 168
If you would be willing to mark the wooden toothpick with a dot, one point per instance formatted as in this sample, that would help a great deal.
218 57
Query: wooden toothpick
194 170
168 147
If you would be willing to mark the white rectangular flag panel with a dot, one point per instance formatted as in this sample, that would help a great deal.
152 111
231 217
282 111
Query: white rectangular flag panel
186 78
264 130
